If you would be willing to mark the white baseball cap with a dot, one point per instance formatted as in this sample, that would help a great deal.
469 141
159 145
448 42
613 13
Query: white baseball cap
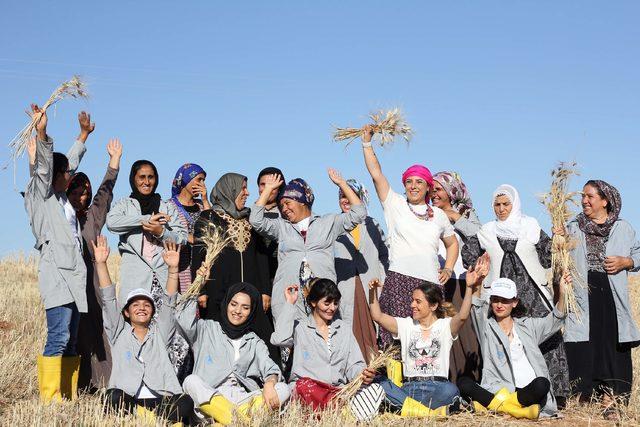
139 293
504 288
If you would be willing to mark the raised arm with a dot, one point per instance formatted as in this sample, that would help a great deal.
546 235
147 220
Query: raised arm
263 225
474 278
386 321
39 186
285 326
166 314
346 222
112 319
373 166
104 196
77 150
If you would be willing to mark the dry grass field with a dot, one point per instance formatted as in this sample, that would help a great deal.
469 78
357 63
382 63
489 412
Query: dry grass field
22 331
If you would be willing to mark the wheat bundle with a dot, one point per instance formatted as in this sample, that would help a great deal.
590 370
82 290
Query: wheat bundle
387 126
378 361
558 202
74 88
215 240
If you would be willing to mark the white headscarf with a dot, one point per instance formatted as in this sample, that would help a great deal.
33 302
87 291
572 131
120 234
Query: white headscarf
517 225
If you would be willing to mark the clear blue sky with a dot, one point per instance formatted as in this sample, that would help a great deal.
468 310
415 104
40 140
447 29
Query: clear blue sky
499 91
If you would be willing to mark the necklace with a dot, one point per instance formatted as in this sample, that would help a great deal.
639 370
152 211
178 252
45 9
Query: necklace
424 216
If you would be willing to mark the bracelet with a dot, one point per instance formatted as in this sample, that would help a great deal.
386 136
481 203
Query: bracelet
366 144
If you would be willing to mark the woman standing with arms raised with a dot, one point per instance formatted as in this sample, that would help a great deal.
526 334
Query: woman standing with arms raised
415 230
599 341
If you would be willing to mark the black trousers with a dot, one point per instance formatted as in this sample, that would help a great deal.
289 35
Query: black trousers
175 408
533 393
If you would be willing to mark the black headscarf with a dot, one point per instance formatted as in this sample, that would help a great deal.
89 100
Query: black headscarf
236 331
149 204
224 194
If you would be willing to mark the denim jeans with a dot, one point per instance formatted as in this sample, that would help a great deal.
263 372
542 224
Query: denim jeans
62 330
433 394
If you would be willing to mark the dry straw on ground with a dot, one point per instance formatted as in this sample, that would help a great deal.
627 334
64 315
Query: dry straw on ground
387 127
22 334
559 202
74 88
215 240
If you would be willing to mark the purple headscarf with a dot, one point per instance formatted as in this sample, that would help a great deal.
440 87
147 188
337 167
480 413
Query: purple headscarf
298 190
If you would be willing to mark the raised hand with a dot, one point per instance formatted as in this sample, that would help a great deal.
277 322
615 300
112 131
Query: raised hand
40 118
375 284
100 250
171 254
367 133
114 148
291 293
477 273
86 127
272 181
335 177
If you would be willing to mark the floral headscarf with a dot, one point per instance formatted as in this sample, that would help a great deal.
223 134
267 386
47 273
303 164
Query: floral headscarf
456 190
359 189
184 176
298 190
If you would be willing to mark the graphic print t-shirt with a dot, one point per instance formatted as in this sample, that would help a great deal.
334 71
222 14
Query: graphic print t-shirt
425 358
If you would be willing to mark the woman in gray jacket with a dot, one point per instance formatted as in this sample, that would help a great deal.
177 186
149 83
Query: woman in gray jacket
326 355
306 242
600 336
142 379
230 358
143 221
515 376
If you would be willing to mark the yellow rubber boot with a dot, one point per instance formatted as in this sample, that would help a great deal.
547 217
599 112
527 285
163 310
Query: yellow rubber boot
394 372
146 415
218 408
246 409
507 403
49 375
478 408
70 373
411 408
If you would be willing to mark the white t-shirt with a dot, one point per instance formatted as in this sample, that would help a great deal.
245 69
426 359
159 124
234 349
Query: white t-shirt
413 249
522 369
425 358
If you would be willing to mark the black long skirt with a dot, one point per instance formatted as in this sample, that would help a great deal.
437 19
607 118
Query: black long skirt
602 364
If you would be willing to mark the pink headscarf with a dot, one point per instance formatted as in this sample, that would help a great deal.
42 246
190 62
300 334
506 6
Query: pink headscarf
424 173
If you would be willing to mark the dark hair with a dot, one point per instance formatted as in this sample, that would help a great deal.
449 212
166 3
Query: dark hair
270 171
323 288
518 311
594 184
60 164
434 294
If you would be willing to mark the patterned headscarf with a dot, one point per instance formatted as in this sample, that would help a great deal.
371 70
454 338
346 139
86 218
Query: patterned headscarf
597 234
298 190
184 176
456 190
359 189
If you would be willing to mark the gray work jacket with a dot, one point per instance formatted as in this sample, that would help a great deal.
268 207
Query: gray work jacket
133 361
125 220
497 371
370 261
214 353
311 355
622 242
62 274
318 248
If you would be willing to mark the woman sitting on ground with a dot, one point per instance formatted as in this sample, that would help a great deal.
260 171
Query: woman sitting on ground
426 339
326 355
515 377
230 357
142 377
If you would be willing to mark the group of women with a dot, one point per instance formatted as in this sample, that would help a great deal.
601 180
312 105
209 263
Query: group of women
297 304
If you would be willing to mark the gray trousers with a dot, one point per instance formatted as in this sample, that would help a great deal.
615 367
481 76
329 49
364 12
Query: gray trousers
201 392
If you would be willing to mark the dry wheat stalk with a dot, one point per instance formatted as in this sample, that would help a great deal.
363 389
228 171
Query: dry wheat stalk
378 361
74 88
215 240
558 202
386 127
